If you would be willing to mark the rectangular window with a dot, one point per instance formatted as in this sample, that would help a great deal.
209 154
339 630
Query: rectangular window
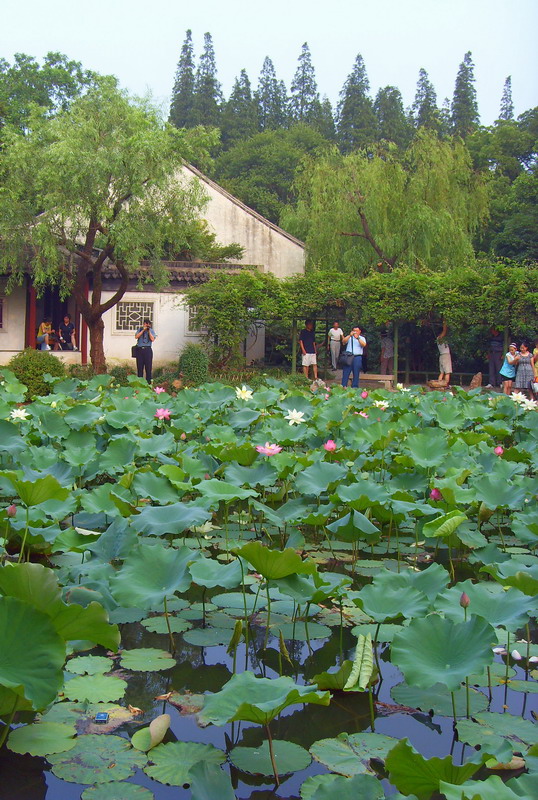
130 315
192 326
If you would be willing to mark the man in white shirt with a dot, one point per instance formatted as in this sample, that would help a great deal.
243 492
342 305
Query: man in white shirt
354 343
335 340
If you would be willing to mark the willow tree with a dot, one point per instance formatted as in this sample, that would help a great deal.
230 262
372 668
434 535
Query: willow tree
363 210
96 184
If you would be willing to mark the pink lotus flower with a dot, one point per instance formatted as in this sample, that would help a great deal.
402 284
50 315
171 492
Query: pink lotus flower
435 494
183 436
465 600
162 413
11 510
364 394
499 450
363 414
327 396
268 449
159 390
330 445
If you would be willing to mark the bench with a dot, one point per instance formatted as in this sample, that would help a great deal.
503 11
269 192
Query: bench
386 380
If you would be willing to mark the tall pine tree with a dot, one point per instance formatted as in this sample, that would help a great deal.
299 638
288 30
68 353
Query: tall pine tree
507 106
424 108
239 118
207 90
464 111
356 120
391 120
183 92
271 99
304 101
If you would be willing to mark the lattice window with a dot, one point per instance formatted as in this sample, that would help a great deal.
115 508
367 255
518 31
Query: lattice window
193 327
130 315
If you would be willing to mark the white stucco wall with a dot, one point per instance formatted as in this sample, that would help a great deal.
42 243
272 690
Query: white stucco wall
12 332
265 244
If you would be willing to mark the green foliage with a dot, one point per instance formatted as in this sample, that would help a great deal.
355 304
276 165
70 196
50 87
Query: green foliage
183 91
362 209
194 364
121 375
356 118
30 366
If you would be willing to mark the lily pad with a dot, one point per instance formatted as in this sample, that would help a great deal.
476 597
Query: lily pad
42 738
82 715
95 688
146 659
89 665
207 637
147 738
158 624
351 754
117 790
172 762
301 631
327 787
386 632
289 757
97 759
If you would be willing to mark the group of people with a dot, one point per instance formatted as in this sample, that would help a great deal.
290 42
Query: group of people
64 338
519 369
344 350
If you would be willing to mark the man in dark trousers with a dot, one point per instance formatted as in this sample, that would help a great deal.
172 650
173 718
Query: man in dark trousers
145 336
307 343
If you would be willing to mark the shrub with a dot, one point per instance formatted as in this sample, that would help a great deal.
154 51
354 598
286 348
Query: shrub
121 375
194 364
83 372
31 366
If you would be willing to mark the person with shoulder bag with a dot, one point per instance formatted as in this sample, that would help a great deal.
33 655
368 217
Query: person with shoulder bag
142 351
351 356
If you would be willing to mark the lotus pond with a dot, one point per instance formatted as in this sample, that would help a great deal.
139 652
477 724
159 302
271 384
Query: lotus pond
234 594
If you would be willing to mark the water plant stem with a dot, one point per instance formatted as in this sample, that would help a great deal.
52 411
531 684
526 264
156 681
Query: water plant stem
266 639
7 727
170 634
272 754
452 695
21 553
371 704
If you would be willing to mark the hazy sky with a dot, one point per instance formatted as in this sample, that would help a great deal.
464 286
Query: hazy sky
139 41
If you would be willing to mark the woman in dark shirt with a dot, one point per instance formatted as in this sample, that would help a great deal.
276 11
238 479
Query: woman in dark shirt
66 332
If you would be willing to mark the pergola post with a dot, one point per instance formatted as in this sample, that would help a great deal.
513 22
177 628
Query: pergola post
396 344
294 347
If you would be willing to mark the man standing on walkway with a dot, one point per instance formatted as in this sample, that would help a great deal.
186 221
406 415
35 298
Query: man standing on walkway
307 343
334 341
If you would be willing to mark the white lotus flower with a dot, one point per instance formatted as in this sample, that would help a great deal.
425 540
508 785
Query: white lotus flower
518 397
204 529
19 413
533 660
499 651
243 393
516 655
529 405
402 388
381 404
295 417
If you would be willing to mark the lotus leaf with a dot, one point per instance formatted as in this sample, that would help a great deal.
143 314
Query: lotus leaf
146 659
354 526
275 564
89 665
151 573
327 787
42 738
316 479
32 653
510 608
411 773
493 788
383 602
216 491
350 754
117 790
289 757
208 781
158 624
209 573
428 448
82 715
172 763
438 700
95 688
385 633
159 489
97 759
207 637
174 518
334 681
435 650
147 738
363 666
445 525
511 574
263 474
524 686
496 492
259 700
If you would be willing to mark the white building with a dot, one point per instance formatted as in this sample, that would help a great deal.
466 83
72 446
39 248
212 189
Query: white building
266 247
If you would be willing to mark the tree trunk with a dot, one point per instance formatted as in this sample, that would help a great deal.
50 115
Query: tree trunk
97 353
